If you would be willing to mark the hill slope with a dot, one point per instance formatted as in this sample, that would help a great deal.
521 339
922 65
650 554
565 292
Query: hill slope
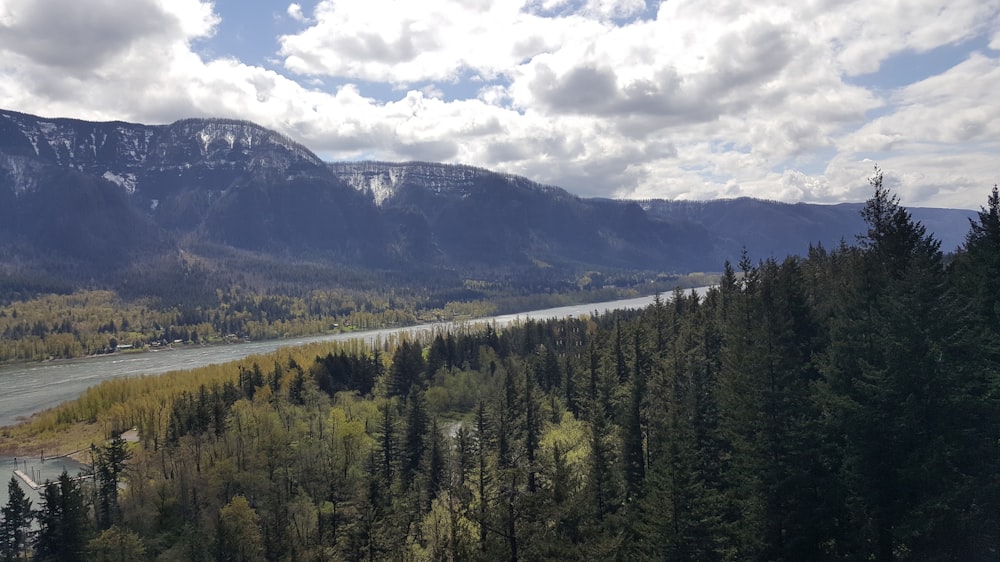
92 200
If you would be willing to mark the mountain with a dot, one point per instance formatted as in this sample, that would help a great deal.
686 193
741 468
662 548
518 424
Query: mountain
773 229
73 186
100 200
473 215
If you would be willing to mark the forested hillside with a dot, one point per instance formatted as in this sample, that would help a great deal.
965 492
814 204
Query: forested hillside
166 211
839 406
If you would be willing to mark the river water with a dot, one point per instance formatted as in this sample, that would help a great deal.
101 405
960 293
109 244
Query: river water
33 387
38 471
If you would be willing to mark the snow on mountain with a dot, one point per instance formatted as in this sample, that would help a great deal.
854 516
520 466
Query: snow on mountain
126 181
383 180
149 161
237 184
225 140
22 172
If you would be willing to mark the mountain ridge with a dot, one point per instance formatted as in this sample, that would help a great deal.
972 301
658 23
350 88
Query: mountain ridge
108 195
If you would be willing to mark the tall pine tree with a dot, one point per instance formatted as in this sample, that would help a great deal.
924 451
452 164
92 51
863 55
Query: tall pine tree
63 527
901 393
16 523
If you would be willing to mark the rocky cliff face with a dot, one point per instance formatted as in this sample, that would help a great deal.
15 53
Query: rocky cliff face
198 179
386 181
133 155
91 146
109 194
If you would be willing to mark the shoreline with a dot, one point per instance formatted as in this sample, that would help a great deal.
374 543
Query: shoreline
142 351
14 441
225 342
36 451
72 442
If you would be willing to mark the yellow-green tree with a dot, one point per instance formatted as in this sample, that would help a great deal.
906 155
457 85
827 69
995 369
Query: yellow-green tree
239 532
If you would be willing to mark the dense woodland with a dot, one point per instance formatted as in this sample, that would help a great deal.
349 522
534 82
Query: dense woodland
839 406
179 304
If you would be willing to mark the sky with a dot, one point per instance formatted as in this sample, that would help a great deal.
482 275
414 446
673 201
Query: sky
683 99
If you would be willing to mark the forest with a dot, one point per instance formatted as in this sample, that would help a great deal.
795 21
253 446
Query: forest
197 305
837 406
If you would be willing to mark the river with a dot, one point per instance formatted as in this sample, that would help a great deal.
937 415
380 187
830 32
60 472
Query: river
38 471
33 387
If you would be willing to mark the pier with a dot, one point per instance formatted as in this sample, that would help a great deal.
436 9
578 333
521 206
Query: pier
43 458
36 477
27 479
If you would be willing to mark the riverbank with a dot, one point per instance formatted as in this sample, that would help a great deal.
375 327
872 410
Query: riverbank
73 443
37 472
511 304
31 389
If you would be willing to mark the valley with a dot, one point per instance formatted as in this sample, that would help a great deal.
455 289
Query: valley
831 397
34 387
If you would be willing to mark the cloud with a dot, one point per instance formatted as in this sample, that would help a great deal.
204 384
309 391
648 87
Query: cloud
613 9
408 42
80 37
867 33
687 99
295 12
668 92
99 58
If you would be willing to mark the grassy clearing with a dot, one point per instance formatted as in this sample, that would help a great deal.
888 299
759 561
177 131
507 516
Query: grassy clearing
25 440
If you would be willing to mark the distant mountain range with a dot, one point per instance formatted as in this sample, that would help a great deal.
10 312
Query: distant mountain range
105 196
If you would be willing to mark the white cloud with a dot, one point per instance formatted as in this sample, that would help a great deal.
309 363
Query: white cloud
407 42
697 100
79 37
295 12
864 34
613 9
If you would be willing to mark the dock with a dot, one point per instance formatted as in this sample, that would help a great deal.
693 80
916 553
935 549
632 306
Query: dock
27 479
43 458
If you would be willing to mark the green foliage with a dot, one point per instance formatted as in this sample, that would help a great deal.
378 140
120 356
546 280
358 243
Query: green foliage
63 527
239 533
841 406
185 302
116 544
15 523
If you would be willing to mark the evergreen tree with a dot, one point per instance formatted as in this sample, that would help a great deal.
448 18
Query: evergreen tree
978 263
571 396
684 513
550 375
902 393
634 445
508 425
110 466
621 364
407 369
601 480
482 437
15 526
63 527
741 403
414 443
791 479
532 430
387 441
977 272
437 356
435 463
